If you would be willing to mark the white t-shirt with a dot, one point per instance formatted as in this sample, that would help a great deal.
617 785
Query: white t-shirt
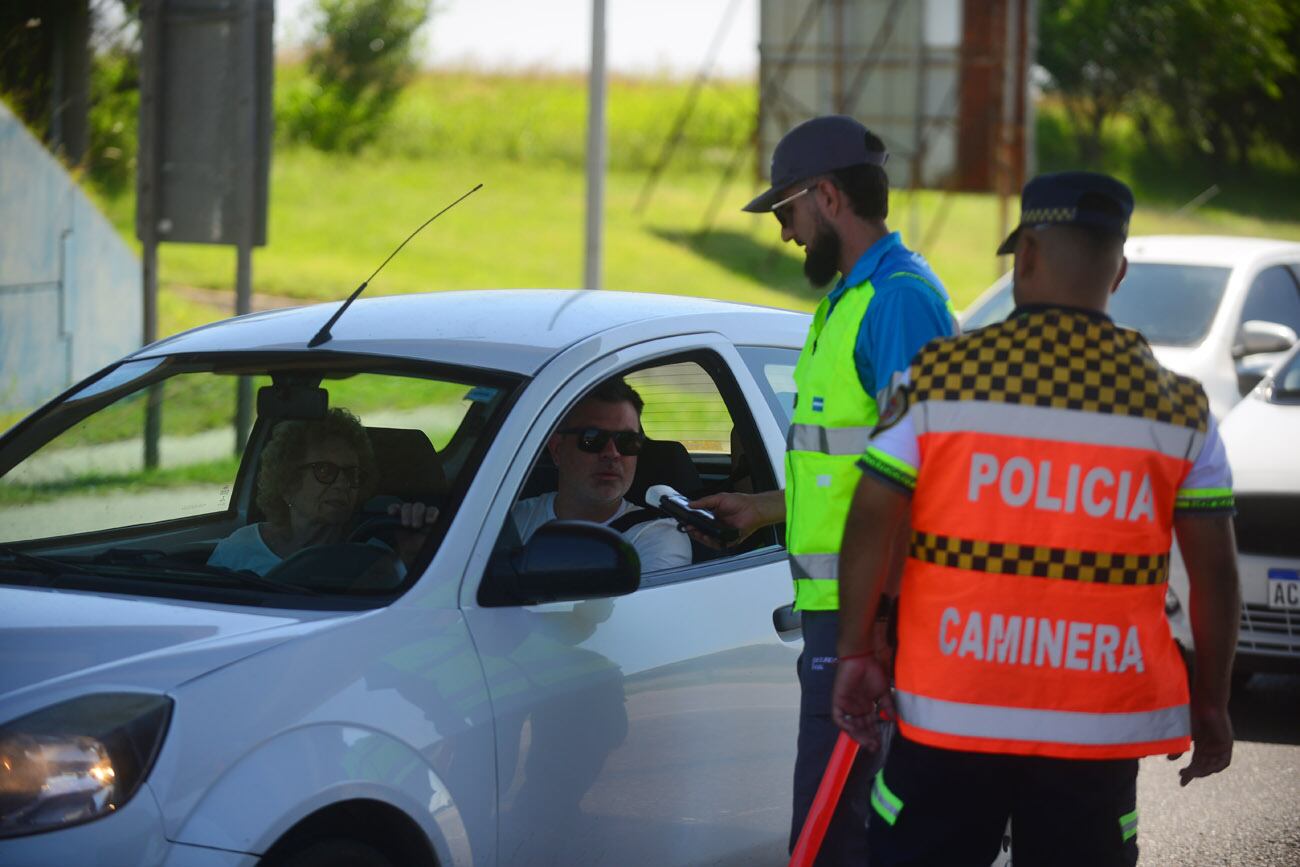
659 544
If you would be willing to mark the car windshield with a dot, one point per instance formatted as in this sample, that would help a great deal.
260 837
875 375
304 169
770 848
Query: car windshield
238 477
1172 305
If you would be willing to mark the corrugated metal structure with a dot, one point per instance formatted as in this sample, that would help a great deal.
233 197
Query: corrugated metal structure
943 82
70 299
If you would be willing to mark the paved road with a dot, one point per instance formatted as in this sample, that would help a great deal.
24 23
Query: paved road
1247 815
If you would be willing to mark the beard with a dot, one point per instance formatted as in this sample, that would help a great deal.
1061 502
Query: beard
822 256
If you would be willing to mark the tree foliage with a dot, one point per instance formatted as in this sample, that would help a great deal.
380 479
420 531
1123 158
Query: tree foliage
360 58
1221 72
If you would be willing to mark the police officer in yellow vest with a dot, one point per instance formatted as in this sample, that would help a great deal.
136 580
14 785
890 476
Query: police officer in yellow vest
1037 471
830 194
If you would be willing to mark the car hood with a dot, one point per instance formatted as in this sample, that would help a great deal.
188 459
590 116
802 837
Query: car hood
1260 440
60 639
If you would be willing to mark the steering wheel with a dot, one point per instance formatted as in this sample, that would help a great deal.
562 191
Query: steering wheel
339 568
383 527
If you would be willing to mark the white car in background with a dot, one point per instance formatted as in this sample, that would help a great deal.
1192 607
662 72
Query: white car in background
1262 436
1220 309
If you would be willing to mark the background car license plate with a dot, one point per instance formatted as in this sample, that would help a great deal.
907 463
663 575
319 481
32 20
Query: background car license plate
1284 588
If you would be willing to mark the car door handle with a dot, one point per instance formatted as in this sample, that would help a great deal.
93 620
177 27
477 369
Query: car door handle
787 622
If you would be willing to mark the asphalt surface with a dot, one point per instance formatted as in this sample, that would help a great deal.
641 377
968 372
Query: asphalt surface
1246 815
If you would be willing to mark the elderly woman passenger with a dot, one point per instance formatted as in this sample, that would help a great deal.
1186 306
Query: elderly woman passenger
314 477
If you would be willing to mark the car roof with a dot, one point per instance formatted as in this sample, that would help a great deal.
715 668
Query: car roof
1220 250
516 330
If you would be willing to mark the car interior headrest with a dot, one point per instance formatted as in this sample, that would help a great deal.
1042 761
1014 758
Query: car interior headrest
664 462
407 464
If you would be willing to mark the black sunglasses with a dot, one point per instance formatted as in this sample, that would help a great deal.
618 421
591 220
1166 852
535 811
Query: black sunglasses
326 472
784 209
593 439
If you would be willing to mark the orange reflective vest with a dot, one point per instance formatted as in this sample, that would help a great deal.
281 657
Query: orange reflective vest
1031 616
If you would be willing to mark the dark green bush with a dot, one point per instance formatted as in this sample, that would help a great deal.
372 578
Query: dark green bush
357 63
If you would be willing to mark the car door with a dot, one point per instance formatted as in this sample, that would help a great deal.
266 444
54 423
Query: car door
658 727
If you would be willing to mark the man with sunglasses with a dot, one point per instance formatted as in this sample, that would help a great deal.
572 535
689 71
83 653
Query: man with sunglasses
595 451
831 196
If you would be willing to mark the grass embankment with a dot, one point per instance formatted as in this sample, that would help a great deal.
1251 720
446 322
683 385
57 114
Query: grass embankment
333 218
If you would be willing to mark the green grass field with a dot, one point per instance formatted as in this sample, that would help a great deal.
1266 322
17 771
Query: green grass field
334 217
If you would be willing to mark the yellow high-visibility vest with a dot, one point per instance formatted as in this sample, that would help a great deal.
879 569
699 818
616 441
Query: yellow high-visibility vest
832 423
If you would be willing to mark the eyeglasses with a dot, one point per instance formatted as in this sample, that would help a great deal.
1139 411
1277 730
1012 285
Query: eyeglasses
593 439
326 472
783 212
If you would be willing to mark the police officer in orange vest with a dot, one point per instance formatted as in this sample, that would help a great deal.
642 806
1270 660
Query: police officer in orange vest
1037 470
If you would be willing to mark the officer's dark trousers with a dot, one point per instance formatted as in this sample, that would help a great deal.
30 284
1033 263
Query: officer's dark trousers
952 809
846 838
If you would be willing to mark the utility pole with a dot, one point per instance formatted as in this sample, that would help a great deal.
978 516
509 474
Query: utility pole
595 148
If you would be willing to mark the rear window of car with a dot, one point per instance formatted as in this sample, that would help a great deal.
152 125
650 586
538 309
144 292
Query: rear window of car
1170 304
773 368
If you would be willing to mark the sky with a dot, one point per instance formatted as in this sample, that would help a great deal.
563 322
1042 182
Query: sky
643 36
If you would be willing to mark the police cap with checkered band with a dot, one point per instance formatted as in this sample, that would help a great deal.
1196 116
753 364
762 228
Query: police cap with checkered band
1084 199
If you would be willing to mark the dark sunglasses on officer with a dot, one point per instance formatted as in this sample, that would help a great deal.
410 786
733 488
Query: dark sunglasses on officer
593 439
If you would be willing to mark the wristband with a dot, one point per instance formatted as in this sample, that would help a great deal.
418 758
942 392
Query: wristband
866 654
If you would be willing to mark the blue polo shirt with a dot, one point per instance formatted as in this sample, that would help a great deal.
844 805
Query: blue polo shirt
908 310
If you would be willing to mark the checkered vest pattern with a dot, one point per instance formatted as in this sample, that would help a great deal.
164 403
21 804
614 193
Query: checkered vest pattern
1032 608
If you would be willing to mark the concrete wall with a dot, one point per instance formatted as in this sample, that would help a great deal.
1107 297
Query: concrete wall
70 296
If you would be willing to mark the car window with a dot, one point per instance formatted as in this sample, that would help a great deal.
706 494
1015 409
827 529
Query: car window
1273 297
701 439
1286 382
144 475
683 404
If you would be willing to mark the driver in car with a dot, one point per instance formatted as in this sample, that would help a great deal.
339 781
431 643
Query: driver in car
314 477
595 451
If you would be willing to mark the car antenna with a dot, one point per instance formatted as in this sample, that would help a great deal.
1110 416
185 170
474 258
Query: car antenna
323 336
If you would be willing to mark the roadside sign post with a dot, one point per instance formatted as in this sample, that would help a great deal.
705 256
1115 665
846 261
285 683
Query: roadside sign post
205 149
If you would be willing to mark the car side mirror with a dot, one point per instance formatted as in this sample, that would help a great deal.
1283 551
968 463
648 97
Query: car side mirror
566 561
1258 336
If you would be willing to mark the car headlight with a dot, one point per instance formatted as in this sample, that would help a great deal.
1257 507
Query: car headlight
78 760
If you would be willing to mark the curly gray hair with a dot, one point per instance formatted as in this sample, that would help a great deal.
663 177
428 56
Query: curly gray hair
282 458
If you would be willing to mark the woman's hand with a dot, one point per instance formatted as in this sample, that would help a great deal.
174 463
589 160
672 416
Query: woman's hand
415 520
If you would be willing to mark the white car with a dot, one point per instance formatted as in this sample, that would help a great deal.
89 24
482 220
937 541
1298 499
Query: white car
1220 309
1262 436
491 704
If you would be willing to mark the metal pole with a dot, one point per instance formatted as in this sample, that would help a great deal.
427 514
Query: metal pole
595 147
246 133
153 401
243 304
918 132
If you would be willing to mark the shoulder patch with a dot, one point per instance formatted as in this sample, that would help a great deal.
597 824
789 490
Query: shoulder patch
894 407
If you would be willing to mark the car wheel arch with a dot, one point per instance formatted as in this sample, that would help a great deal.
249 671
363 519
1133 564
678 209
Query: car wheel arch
377 824
236 813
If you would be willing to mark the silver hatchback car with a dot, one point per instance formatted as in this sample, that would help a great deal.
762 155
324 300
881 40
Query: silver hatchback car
487 702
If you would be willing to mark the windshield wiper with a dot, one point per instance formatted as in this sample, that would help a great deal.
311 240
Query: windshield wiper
48 565
252 579
135 564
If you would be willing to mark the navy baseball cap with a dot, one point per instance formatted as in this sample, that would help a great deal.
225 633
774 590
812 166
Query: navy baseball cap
1073 199
813 148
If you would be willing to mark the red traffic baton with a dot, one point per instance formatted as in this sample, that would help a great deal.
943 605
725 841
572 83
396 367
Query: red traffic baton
823 805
